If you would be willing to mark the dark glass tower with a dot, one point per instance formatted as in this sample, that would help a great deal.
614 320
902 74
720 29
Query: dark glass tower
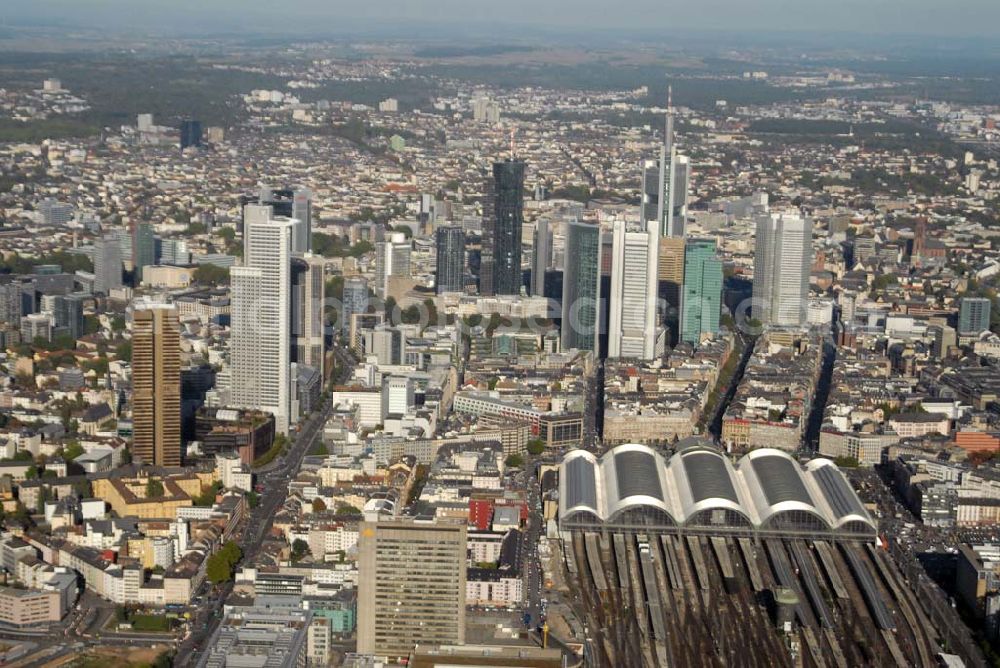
500 273
143 248
190 133
450 259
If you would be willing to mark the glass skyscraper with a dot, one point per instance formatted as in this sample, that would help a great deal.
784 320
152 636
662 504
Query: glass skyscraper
450 259
500 271
701 297
581 286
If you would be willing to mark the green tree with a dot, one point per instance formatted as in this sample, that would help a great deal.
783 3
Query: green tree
536 446
72 450
154 489
300 549
515 461
210 274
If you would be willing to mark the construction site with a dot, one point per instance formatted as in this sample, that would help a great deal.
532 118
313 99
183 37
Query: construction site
692 561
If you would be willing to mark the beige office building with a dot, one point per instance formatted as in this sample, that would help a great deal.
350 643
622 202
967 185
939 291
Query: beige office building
670 265
156 385
411 586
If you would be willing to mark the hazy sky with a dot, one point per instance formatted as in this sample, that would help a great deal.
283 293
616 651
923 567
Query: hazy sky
936 17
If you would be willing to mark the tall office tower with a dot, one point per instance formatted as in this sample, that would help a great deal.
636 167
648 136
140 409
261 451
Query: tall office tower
143 248
665 184
11 302
260 344
701 301
503 216
308 289
450 259
190 134
411 586
973 315
542 257
670 271
107 264
581 286
392 258
67 314
782 260
355 300
288 203
156 385
632 328
682 189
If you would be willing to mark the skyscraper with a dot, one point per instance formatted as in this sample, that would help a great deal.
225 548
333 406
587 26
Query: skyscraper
542 257
782 260
260 344
156 385
671 269
392 258
632 326
503 216
308 289
974 315
288 203
355 300
190 134
450 259
665 184
701 300
143 248
411 586
107 264
581 286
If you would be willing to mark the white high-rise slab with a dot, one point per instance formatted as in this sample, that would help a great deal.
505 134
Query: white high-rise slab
632 328
782 260
261 318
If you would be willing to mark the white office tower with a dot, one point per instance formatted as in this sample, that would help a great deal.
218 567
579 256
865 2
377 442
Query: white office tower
542 257
260 345
682 189
256 214
632 330
782 260
392 258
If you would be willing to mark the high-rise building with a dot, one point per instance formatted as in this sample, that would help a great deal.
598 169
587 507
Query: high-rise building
974 315
156 385
782 260
581 286
701 300
632 326
665 184
308 288
11 302
450 259
143 249
190 134
67 314
107 264
288 203
671 269
392 258
542 257
260 344
355 300
411 586
503 217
